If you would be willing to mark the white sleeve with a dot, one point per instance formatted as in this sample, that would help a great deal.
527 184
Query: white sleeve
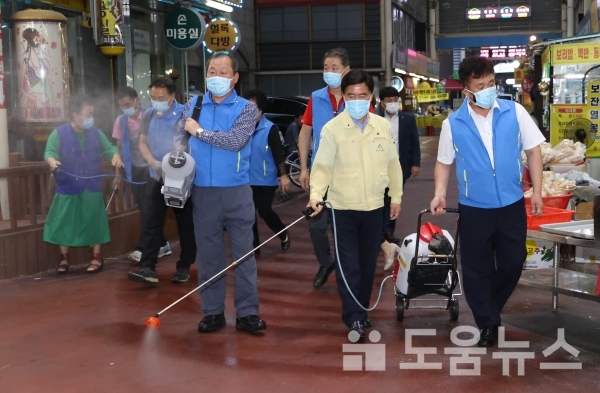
446 152
531 136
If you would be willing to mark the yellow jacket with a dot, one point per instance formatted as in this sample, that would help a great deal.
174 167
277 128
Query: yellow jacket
355 167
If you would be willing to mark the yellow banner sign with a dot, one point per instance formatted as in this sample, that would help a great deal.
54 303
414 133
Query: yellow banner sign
593 114
79 5
432 97
520 74
426 91
560 116
576 53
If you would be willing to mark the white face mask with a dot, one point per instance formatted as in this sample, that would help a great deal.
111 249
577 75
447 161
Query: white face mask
392 107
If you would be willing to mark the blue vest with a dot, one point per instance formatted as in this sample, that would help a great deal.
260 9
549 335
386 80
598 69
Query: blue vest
480 184
126 149
217 167
322 112
85 163
161 132
263 171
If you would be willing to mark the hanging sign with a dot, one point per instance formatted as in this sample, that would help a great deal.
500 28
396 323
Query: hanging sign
184 29
588 52
222 35
505 12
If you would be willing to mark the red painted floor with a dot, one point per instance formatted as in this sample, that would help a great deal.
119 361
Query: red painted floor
82 333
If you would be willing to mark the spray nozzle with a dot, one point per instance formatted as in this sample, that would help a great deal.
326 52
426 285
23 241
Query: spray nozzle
309 210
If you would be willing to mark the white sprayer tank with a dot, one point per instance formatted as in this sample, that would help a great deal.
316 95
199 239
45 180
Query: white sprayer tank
404 255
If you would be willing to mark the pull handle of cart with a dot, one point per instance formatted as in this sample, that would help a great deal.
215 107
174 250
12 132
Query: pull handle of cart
428 211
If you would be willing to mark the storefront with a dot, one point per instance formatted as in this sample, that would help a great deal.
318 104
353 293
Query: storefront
62 51
570 88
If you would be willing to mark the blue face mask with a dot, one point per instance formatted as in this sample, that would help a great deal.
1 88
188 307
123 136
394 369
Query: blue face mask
358 108
160 106
87 123
218 85
130 111
485 98
333 79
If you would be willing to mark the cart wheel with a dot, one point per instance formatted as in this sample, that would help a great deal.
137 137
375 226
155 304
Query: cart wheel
453 309
399 308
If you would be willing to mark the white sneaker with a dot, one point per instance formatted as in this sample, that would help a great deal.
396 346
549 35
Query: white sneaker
135 256
165 250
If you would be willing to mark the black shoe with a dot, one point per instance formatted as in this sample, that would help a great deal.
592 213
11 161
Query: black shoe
488 336
367 322
211 323
285 244
251 323
322 275
144 275
357 326
390 238
181 275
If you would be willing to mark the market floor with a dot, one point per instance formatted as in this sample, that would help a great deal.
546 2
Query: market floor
82 333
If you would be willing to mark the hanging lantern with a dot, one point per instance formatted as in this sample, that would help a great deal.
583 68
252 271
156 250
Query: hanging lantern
111 39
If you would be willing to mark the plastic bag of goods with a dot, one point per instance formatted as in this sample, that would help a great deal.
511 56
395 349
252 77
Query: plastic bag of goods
432 240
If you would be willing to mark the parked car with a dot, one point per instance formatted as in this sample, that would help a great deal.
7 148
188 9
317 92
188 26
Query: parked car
281 110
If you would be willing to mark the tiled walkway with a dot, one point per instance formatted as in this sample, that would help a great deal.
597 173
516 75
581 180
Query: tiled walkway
82 333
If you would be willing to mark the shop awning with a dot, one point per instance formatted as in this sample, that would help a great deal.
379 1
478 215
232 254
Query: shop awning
452 85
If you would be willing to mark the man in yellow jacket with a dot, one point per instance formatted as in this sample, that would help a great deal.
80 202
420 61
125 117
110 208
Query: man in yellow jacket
355 163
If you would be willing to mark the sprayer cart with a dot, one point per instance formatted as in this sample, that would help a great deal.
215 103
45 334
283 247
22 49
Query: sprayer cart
432 276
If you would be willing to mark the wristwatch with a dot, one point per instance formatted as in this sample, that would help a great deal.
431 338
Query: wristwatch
198 132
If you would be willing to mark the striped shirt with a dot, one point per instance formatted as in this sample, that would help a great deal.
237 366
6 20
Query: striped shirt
234 140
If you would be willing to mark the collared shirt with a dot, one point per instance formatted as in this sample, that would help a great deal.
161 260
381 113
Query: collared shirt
132 123
361 125
241 131
395 124
530 133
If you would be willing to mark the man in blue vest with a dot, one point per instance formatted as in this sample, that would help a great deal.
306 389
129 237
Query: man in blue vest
127 133
267 170
324 104
486 137
156 141
220 134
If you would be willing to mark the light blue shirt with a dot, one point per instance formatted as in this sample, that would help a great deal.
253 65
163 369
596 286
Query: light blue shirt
361 125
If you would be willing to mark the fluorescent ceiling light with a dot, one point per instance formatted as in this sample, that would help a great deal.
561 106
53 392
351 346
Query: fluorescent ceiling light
219 6
510 81
434 79
398 70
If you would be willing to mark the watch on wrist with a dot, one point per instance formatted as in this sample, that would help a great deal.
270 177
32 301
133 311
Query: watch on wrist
198 132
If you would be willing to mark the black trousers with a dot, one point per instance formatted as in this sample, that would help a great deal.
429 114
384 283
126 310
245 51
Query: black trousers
389 225
156 209
359 238
492 253
263 202
138 175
